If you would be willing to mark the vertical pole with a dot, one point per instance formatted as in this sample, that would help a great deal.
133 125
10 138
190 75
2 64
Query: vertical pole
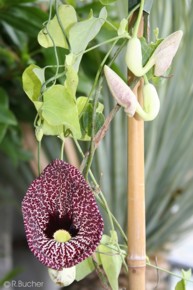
136 199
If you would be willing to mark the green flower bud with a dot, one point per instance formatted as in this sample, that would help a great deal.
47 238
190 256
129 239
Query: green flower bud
161 58
151 103
39 133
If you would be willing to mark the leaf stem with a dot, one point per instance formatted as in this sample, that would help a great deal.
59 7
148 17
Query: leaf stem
55 49
168 272
104 42
110 24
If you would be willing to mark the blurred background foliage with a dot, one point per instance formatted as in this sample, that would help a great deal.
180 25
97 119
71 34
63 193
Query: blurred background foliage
168 139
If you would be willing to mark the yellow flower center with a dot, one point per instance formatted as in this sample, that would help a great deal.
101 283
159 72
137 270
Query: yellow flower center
62 236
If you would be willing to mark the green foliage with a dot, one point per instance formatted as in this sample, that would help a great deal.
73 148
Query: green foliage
48 37
85 110
59 108
81 33
107 2
23 18
84 268
10 276
182 284
111 258
32 83
7 118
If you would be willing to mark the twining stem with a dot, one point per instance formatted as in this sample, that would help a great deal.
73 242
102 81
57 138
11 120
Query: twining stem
105 42
168 272
54 46
103 130
137 24
99 78
39 150
62 149
60 23
99 197
97 88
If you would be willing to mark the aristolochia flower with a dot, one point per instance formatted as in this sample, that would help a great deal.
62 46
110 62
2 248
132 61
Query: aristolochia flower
62 221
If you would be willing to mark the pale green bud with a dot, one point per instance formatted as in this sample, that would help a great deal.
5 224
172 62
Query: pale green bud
39 133
133 56
63 277
151 103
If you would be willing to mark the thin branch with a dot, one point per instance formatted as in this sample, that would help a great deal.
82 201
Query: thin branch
102 132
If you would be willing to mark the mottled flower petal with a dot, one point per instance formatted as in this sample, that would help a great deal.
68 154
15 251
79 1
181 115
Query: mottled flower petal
61 199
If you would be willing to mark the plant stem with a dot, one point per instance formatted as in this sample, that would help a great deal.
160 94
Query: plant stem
99 198
168 272
62 149
105 42
145 79
39 149
97 87
137 24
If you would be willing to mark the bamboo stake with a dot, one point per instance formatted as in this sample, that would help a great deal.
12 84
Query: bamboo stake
136 201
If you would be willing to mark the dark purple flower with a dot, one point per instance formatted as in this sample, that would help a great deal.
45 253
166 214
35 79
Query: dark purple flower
61 199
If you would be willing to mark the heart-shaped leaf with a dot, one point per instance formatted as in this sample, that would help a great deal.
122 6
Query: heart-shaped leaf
59 108
81 33
67 17
33 78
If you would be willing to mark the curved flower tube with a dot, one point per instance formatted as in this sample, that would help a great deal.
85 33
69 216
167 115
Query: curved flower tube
162 56
127 99
121 91
151 103
62 222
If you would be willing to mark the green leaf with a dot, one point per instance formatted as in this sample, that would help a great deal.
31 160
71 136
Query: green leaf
10 275
181 285
6 3
32 82
107 2
81 33
59 108
111 259
7 117
84 268
85 111
3 130
148 48
51 130
71 81
4 99
12 147
67 16
123 27
24 18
